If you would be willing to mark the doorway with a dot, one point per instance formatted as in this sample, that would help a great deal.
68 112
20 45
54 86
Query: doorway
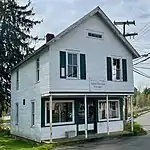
91 116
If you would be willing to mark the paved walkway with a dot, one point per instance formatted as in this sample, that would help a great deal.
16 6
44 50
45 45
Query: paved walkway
126 143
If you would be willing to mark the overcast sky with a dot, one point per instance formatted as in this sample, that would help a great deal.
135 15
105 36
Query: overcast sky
59 14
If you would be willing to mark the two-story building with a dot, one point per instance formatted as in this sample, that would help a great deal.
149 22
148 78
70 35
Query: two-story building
75 83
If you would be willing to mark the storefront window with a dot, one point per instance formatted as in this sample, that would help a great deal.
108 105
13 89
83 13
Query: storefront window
62 112
113 107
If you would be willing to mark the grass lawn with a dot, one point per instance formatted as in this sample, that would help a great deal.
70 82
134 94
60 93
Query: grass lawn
8 143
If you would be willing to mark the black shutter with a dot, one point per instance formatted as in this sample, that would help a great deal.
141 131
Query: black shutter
124 69
109 69
82 67
62 64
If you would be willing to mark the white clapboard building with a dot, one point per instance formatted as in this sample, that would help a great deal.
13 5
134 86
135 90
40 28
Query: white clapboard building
75 83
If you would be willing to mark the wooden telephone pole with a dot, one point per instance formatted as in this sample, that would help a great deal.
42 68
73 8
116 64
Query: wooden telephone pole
124 23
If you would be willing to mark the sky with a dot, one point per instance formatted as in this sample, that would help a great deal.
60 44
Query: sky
59 14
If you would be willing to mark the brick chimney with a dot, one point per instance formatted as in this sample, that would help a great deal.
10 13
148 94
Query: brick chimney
49 37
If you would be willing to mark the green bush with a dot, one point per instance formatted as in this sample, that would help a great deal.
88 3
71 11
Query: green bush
137 129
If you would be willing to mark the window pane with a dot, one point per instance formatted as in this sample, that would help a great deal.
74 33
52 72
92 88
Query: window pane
32 103
70 71
38 75
66 112
37 63
74 59
102 110
113 110
75 71
56 112
70 59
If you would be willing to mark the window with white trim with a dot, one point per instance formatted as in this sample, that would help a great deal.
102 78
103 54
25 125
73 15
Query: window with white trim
72 65
32 113
17 113
116 69
62 112
37 69
113 107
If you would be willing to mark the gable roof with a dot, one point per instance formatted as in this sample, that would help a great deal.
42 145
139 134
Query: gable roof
106 20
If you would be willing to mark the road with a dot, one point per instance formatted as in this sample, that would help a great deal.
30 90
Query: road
127 143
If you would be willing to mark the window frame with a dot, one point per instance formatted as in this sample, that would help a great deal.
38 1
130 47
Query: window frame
78 64
17 80
60 123
110 119
17 113
32 113
37 69
120 59
94 32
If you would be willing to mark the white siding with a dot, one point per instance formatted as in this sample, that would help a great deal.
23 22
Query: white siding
114 126
29 90
96 51
57 132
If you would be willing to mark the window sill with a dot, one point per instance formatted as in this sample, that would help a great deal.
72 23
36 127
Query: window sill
33 126
37 82
114 119
60 124
69 78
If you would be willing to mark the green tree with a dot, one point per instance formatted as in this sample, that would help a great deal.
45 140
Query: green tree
16 23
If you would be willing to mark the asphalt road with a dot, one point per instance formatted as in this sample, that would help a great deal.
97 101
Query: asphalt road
127 143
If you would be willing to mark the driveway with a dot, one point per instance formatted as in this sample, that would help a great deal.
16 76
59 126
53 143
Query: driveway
126 143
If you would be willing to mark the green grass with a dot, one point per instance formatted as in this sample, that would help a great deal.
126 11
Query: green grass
8 143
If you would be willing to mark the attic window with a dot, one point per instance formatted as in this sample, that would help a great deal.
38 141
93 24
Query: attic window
95 35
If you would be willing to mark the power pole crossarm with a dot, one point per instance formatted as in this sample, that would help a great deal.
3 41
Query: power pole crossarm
124 23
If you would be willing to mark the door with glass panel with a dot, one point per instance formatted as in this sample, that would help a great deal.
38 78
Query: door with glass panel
91 116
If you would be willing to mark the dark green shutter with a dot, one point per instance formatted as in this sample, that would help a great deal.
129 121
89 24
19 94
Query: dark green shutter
121 108
109 69
42 112
124 69
82 67
62 63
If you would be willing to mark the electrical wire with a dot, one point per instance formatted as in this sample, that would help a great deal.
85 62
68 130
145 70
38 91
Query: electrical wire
140 73
141 61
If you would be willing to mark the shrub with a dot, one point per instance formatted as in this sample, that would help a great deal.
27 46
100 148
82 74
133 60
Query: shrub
137 129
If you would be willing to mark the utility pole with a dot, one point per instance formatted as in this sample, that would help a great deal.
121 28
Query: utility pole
124 23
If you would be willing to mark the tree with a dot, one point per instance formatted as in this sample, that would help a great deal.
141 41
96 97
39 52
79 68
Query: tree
16 24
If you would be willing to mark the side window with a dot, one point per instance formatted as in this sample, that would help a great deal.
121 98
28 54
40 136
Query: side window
32 113
37 69
17 114
17 80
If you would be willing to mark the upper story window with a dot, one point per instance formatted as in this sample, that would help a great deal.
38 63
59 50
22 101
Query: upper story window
95 35
37 69
72 65
17 80
116 69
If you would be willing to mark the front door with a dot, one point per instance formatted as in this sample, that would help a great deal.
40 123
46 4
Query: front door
91 116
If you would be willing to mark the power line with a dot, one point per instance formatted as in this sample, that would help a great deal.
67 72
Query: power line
142 67
141 61
140 73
